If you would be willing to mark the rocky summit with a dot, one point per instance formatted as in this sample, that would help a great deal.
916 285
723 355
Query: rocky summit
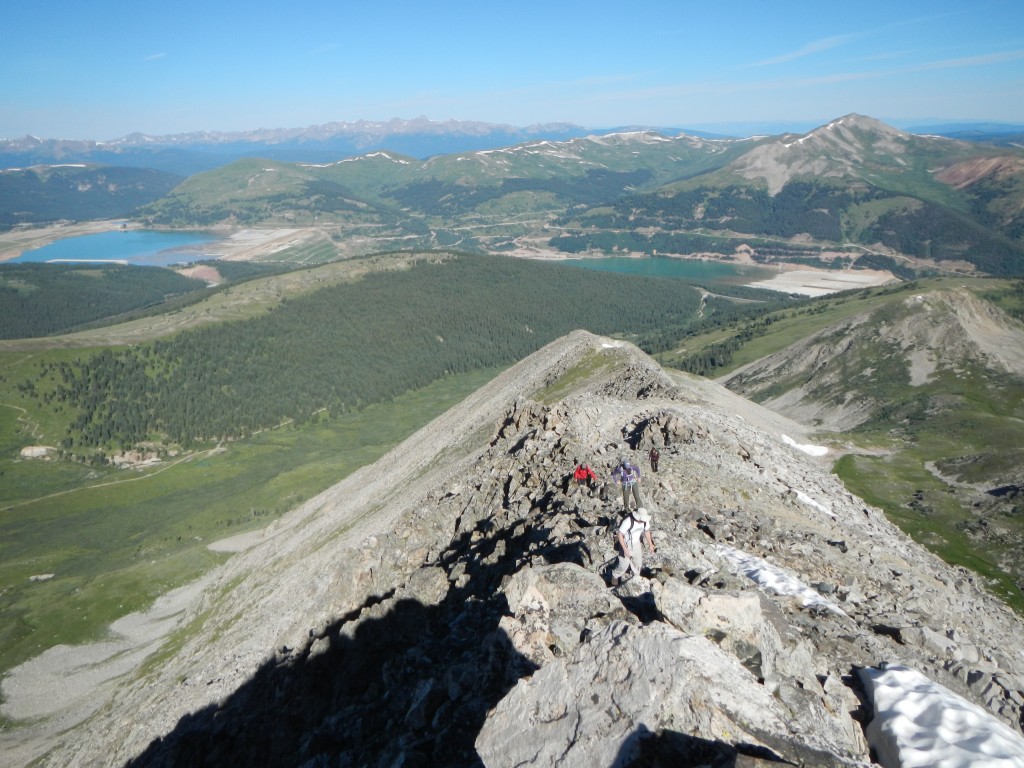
451 604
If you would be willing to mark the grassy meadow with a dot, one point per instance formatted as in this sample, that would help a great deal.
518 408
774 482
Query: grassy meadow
116 539
892 482
935 464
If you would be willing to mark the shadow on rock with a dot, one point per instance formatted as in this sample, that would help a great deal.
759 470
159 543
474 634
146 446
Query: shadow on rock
668 749
642 605
396 682
671 749
409 688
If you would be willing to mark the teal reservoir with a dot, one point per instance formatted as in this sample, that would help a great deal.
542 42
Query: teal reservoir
662 266
141 247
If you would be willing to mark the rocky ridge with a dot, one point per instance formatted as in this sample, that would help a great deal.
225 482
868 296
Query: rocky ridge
448 605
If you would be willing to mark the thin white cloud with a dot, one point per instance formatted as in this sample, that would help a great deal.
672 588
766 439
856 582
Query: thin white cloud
682 90
884 56
958 63
970 61
817 46
320 50
155 56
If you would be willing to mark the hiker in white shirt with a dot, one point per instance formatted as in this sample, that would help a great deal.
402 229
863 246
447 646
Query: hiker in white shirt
634 529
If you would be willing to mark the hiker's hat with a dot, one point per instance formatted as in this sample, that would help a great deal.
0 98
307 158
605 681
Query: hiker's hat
642 515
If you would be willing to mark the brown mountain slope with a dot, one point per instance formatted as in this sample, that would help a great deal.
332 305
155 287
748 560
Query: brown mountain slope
962 175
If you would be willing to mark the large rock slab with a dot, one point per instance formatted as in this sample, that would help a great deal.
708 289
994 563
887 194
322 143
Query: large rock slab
554 607
629 687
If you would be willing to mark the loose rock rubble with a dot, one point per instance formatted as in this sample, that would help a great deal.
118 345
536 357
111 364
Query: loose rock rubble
458 611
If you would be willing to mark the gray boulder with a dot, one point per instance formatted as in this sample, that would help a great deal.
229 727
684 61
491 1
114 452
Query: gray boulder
630 685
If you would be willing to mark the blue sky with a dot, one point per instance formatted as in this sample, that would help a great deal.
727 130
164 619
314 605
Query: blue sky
105 68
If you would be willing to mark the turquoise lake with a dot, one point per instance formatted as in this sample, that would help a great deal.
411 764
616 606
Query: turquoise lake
152 248
141 247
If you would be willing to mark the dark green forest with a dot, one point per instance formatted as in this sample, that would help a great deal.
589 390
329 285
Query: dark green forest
45 299
441 198
935 233
799 207
820 210
346 346
45 194
240 271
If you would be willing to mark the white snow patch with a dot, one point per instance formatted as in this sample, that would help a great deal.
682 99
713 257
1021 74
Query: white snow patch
919 723
773 577
811 450
812 503
387 156
801 140
635 135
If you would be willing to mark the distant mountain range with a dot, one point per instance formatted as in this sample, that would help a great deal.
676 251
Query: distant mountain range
1002 134
854 190
186 153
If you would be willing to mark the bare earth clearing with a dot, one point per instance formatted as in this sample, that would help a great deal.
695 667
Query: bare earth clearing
821 282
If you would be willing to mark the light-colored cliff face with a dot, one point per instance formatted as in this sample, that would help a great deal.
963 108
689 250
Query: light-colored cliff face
844 148
929 333
449 604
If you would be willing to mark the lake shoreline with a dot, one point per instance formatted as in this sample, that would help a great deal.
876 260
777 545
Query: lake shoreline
21 240
254 243
228 244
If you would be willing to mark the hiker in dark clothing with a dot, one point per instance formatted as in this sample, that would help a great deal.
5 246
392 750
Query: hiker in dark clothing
654 456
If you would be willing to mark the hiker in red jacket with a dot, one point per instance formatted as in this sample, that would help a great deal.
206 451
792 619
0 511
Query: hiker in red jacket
584 475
